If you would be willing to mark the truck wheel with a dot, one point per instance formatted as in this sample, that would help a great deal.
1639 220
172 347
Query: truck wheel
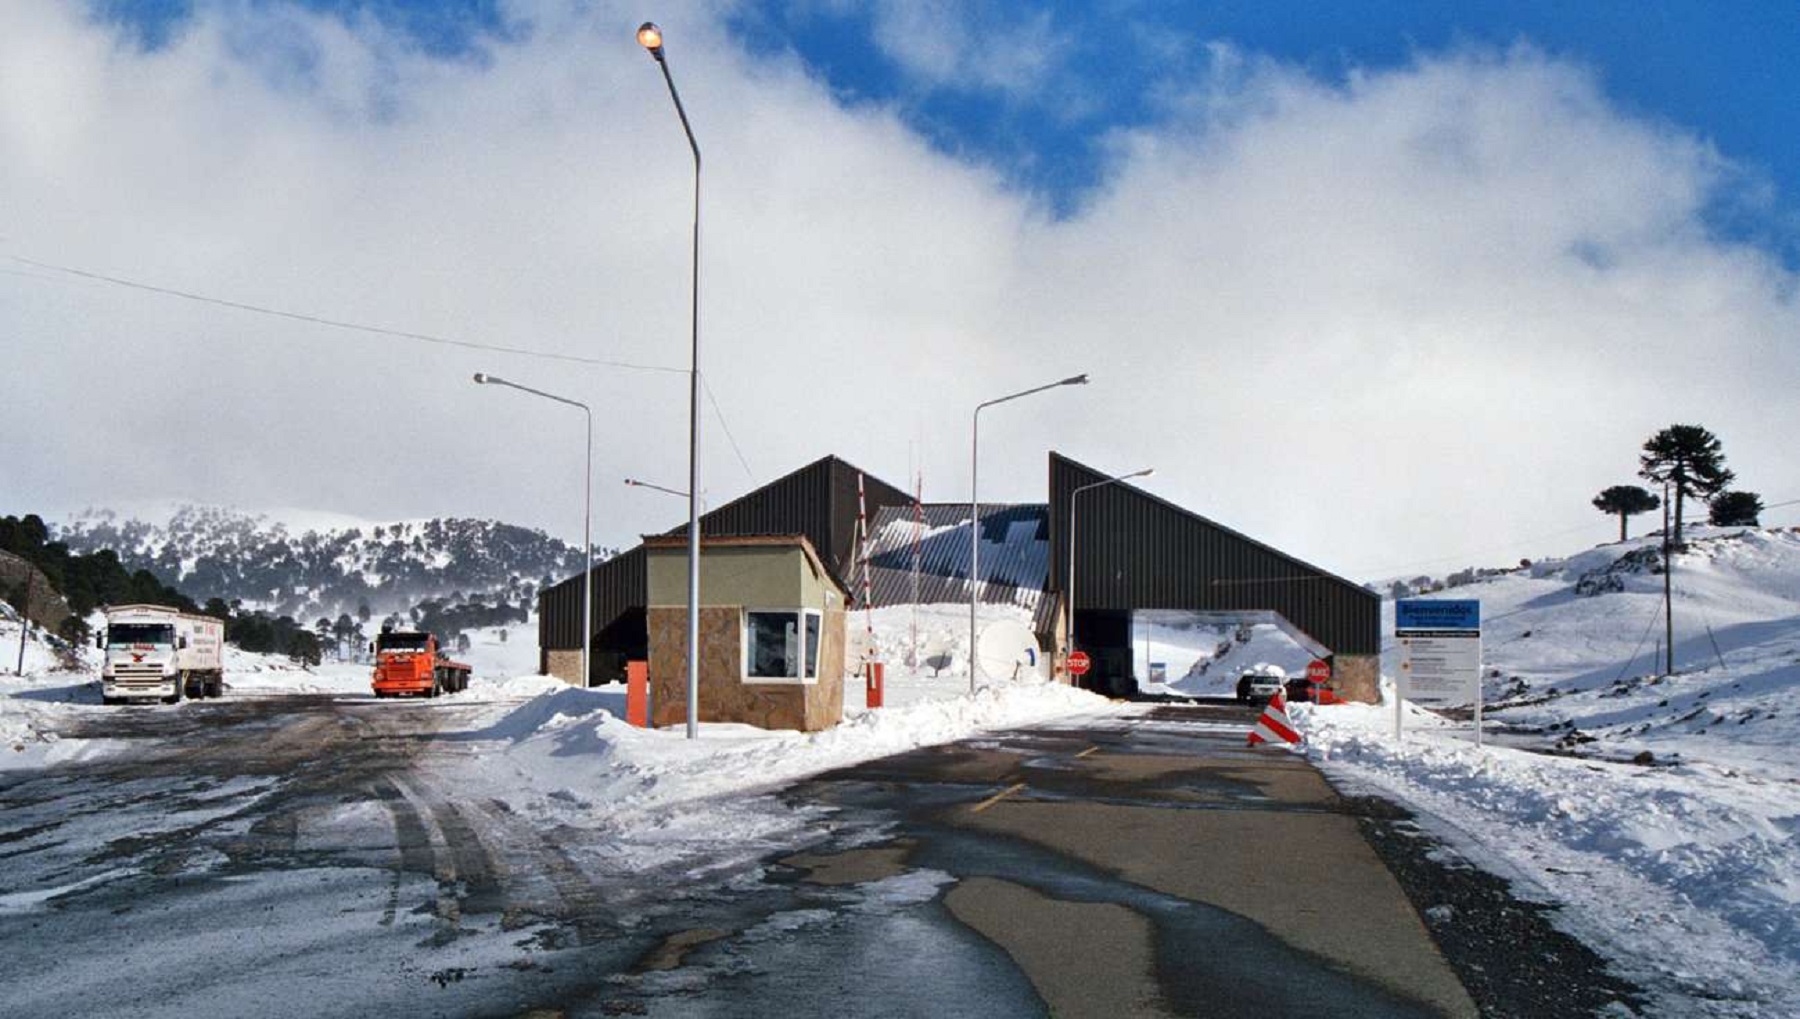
108 700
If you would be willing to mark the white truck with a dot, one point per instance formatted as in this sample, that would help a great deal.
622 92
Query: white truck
156 651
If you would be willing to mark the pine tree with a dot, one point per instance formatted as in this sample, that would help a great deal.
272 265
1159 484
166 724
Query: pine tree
1736 509
1625 501
1690 460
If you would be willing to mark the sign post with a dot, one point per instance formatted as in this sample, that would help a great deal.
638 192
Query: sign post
1318 674
1079 663
1440 654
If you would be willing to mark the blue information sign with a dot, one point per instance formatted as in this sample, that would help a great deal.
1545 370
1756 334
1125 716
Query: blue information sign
1437 614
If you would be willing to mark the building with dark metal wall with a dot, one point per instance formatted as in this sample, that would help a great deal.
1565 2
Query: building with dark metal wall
1134 553
819 501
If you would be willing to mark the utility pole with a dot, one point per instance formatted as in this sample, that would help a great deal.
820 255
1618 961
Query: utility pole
25 613
1668 592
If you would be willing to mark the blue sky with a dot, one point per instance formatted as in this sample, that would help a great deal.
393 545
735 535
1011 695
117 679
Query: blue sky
1729 73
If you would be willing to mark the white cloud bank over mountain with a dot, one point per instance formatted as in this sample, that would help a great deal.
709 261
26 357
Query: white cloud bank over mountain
1417 316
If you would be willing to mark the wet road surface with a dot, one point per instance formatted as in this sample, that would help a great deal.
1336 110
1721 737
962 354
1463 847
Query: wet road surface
298 856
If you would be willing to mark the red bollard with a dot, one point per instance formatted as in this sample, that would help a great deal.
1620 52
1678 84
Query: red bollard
875 673
637 694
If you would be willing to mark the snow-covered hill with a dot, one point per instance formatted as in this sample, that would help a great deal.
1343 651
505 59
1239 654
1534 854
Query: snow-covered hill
331 565
1575 647
1658 810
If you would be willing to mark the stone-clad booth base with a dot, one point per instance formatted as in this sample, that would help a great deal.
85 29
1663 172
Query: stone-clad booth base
724 695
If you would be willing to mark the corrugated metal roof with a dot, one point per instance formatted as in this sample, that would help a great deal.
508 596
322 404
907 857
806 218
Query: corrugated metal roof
1015 555
818 500
1137 551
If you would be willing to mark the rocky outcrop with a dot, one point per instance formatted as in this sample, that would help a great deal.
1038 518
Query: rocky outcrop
47 607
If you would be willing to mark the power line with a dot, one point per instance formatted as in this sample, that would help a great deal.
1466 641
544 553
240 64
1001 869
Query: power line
404 334
720 414
341 323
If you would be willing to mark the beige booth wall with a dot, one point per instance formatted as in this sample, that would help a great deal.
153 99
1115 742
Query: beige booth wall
734 579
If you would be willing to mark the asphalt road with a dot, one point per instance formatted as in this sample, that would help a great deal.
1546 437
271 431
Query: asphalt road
300 857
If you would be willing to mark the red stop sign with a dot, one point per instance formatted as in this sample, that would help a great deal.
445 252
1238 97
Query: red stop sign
1319 671
1079 663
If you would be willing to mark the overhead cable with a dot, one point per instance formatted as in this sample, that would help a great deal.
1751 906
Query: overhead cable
340 323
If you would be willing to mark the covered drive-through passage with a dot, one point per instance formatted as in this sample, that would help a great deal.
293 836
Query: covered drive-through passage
1134 552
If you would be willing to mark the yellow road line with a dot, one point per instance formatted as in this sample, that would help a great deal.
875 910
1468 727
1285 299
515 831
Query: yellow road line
1086 752
996 798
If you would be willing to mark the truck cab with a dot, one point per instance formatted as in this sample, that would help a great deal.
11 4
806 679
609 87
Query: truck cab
409 662
156 652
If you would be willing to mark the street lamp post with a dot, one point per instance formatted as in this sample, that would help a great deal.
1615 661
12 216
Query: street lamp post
635 483
975 505
587 516
650 37
1069 584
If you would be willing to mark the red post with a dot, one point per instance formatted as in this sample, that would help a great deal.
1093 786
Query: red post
876 672
637 694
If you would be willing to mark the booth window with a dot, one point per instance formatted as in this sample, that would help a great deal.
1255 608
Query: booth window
781 645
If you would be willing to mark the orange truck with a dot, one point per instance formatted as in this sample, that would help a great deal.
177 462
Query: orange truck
410 663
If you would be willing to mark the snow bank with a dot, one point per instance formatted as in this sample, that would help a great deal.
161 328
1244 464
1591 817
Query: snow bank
33 706
1686 878
566 755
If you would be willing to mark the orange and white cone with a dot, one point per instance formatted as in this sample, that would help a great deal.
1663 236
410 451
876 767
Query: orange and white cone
1274 726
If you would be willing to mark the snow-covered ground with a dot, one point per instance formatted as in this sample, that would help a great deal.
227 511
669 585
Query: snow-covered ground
1206 660
1684 872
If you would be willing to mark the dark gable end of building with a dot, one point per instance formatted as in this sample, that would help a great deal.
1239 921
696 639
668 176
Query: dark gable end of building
1136 551
818 501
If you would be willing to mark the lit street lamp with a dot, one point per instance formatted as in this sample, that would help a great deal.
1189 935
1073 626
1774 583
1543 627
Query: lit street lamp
651 38
587 516
975 506
1069 583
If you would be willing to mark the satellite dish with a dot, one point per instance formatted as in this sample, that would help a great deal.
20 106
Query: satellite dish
1007 652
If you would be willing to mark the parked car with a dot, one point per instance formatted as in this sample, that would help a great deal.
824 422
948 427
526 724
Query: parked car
1255 686
1300 689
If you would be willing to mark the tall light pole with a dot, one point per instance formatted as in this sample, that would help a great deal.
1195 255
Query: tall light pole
587 516
650 37
975 505
1069 584
1668 552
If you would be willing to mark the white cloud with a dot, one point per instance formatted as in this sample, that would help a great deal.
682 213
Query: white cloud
1423 314
969 47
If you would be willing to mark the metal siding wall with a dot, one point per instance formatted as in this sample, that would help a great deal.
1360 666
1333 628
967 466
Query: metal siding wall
1135 551
619 585
818 500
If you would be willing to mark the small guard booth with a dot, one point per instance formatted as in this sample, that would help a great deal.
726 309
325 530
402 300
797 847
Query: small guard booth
771 632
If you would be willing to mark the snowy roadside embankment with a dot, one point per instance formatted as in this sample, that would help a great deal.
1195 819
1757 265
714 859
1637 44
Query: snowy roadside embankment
1686 878
34 706
566 758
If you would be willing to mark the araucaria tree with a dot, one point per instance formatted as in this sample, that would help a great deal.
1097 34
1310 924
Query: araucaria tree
1625 501
1690 460
1736 509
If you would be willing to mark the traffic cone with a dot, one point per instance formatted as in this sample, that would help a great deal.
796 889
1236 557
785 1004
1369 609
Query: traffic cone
1273 726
